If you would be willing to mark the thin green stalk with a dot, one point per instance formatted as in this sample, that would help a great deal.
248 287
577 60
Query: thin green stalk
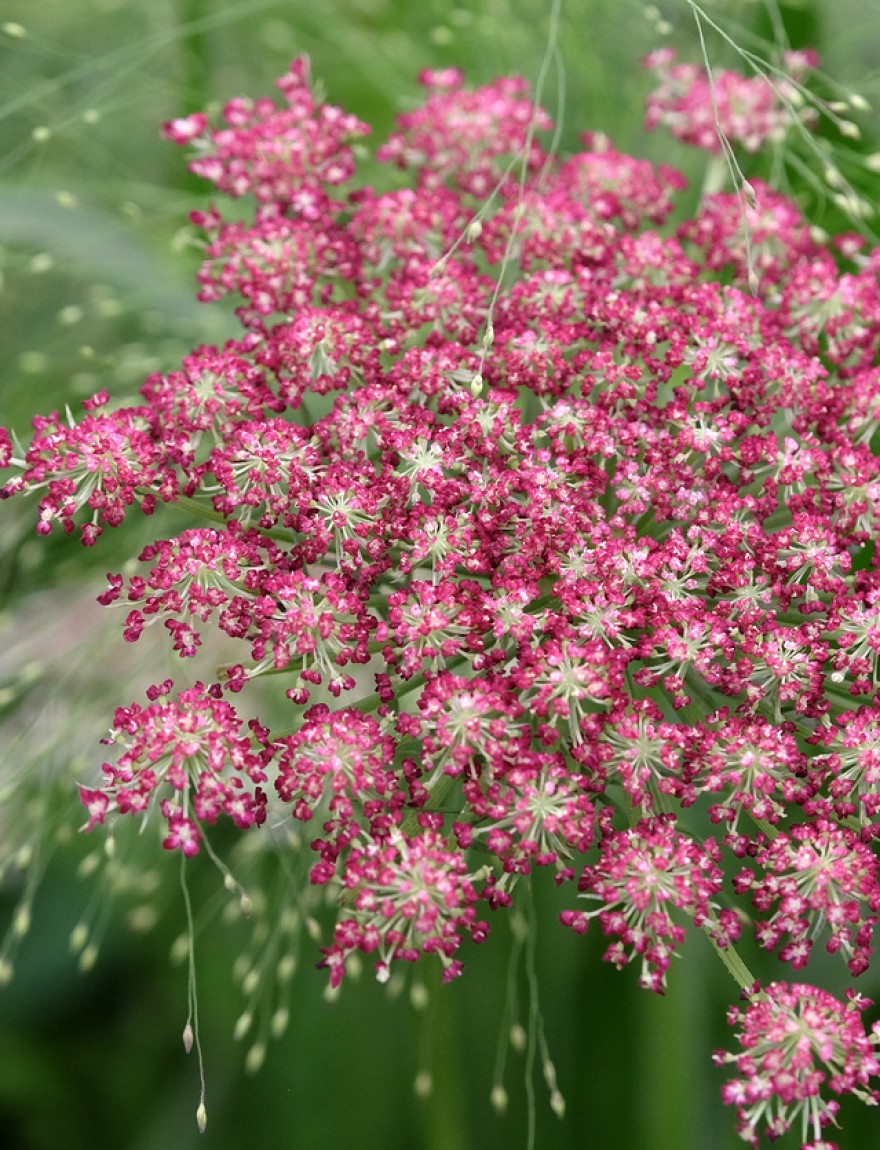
737 969
203 511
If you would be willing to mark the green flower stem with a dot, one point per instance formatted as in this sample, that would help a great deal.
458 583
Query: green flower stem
440 792
734 963
716 176
373 702
838 694
766 828
701 690
194 507
203 511
370 703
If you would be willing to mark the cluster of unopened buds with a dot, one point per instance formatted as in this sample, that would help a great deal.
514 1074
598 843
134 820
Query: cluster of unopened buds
555 525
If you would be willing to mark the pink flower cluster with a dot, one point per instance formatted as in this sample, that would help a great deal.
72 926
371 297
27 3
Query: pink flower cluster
561 570
795 1039
702 110
192 752
642 876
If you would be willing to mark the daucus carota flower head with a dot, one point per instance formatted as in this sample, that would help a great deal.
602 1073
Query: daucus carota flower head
551 529
190 755
410 896
101 465
462 134
287 155
706 108
648 880
819 875
798 1043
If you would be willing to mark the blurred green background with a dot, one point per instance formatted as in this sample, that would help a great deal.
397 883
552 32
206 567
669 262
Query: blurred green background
97 269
